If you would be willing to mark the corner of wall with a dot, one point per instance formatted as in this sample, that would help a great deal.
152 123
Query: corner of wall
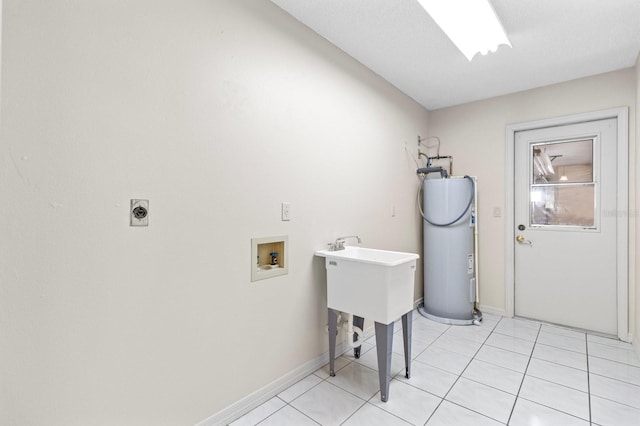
635 315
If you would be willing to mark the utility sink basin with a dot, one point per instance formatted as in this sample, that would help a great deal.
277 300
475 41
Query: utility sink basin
370 283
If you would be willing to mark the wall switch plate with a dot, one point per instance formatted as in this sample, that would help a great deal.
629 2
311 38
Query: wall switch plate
139 212
497 212
286 211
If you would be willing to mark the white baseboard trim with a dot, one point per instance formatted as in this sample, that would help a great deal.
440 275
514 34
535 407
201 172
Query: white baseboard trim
492 310
259 397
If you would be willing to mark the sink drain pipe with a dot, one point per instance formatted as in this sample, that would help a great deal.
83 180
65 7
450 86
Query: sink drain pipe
357 330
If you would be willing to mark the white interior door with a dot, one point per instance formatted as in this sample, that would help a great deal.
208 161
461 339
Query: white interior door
565 225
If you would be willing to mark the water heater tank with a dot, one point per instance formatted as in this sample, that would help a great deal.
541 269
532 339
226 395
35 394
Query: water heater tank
449 264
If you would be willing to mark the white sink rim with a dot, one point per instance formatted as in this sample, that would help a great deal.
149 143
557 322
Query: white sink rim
369 255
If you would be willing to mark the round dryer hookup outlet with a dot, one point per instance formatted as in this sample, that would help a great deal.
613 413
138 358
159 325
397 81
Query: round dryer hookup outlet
139 212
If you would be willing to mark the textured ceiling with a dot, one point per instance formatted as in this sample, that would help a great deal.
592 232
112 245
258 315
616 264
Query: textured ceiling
553 41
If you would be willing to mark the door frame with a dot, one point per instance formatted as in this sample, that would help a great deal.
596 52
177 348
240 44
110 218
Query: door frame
621 114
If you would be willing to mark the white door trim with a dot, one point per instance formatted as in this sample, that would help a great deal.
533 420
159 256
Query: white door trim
621 114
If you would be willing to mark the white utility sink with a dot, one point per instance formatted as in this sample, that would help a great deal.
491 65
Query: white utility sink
370 283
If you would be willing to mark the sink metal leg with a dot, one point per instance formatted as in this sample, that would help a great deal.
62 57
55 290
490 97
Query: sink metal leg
333 330
407 324
384 341
357 322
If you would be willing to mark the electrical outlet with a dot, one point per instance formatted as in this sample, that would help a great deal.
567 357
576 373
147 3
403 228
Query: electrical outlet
393 210
497 212
139 212
286 211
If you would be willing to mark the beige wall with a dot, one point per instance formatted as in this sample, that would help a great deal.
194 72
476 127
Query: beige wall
216 111
475 135
635 278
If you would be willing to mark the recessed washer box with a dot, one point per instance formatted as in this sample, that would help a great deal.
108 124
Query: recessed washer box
269 257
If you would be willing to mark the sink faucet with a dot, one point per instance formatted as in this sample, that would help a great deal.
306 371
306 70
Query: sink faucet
339 244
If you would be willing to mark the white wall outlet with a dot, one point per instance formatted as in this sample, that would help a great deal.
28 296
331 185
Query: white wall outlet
497 212
139 212
286 211
393 210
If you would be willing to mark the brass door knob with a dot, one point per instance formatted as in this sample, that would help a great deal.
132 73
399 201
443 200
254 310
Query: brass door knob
522 240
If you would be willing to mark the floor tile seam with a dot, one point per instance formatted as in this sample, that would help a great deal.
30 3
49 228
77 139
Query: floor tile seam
588 377
423 351
280 409
329 383
514 327
445 348
510 335
357 361
342 389
417 387
561 344
263 419
419 340
555 382
462 340
555 409
505 349
335 371
436 367
559 384
564 335
637 385
461 373
308 390
618 402
354 413
436 329
477 412
386 411
521 325
559 347
434 411
524 375
558 364
501 365
457 379
487 385
389 412
619 362
629 349
472 356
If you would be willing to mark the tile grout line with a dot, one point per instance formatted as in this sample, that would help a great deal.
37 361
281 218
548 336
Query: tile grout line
413 359
524 375
484 343
459 376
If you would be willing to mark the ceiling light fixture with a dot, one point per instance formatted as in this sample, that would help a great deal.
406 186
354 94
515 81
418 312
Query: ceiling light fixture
472 25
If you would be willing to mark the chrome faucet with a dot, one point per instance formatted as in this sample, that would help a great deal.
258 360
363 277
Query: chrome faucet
339 243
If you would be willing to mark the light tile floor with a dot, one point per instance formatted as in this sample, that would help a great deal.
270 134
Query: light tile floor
505 371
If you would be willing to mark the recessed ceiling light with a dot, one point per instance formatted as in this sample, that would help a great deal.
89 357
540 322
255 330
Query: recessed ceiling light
472 25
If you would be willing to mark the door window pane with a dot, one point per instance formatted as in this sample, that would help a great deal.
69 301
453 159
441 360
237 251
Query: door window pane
562 162
566 205
563 189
